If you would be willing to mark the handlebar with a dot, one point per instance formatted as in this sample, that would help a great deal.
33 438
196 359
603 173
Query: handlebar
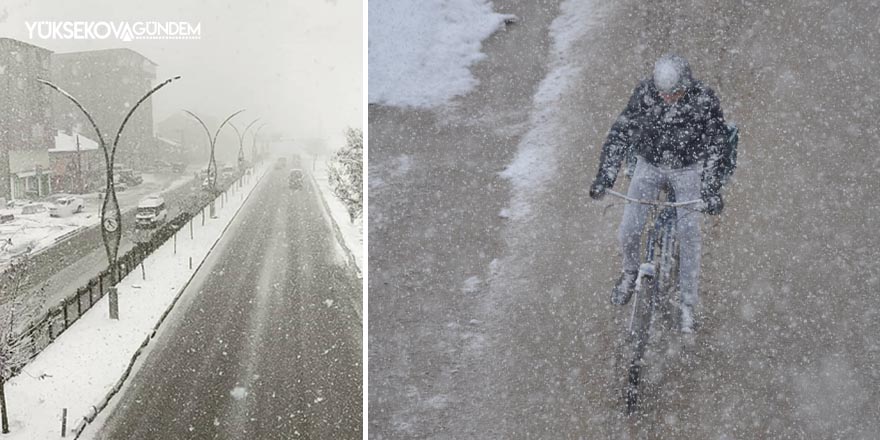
654 202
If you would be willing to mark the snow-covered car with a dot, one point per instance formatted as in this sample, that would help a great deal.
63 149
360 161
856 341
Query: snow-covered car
18 203
33 208
66 206
6 216
295 179
151 212
228 171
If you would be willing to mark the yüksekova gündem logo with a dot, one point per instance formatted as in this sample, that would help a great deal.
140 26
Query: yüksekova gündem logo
114 30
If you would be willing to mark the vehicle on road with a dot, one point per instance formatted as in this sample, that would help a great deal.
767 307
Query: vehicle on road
227 172
66 206
178 167
128 176
295 179
151 212
6 216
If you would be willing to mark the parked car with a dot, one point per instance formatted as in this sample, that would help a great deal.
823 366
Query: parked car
207 182
295 179
66 206
18 203
151 212
33 208
6 216
227 172
128 177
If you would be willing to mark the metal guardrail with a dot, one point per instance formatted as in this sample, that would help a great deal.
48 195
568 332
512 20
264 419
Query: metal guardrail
64 237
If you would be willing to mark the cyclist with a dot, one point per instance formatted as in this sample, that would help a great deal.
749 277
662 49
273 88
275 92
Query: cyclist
675 126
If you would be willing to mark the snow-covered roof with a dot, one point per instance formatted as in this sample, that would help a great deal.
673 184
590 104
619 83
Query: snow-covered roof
66 142
168 141
151 201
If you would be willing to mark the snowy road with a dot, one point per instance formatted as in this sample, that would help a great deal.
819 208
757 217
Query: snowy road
266 341
489 311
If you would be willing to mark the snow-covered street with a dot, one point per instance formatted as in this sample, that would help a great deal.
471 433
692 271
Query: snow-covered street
79 370
490 267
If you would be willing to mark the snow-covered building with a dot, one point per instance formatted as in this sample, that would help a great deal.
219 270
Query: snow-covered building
185 131
26 123
108 83
77 164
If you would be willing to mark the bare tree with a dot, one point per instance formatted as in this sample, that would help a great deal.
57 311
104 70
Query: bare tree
346 172
17 310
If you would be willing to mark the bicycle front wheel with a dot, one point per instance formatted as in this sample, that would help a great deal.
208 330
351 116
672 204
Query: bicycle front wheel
637 338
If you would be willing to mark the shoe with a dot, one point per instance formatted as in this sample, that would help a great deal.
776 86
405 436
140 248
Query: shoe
624 289
687 319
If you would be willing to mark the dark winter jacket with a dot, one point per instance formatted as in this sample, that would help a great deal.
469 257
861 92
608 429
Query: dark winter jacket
676 135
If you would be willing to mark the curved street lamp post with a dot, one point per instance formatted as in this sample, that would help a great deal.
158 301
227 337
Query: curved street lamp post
241 135
254 143
212 161
111 217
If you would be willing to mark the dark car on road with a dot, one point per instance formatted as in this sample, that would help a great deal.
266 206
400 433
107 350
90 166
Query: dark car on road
295 180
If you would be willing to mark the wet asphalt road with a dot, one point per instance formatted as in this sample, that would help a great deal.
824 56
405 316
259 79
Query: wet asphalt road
265 343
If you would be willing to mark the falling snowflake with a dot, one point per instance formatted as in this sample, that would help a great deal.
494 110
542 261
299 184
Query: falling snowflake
238 393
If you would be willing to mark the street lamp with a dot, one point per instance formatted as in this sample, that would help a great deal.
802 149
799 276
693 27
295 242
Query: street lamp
254 143
111 217
241 135
212 162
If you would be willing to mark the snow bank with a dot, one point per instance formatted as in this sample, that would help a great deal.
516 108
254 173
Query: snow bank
420 52
537 156
351 232
79 369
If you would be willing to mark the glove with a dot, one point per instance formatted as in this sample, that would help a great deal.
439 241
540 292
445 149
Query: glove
597 190
714 204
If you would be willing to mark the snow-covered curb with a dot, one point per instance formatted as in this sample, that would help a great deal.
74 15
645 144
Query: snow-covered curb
81 369
537 157
348 234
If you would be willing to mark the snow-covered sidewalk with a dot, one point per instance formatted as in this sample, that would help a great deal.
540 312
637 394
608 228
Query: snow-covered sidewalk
350 233
89 361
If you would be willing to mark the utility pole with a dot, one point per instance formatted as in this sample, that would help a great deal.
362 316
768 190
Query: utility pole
79 176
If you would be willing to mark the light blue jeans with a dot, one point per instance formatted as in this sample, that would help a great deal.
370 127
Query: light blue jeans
646 183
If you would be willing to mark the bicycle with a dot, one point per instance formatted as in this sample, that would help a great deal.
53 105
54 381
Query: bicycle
657 277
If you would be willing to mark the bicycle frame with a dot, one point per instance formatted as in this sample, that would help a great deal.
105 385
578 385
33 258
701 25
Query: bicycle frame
661 229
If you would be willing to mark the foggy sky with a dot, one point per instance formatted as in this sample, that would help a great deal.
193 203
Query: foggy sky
296 64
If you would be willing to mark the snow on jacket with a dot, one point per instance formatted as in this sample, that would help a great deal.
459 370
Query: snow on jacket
675 135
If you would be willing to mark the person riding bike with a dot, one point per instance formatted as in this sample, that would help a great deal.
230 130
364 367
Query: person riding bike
676 128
